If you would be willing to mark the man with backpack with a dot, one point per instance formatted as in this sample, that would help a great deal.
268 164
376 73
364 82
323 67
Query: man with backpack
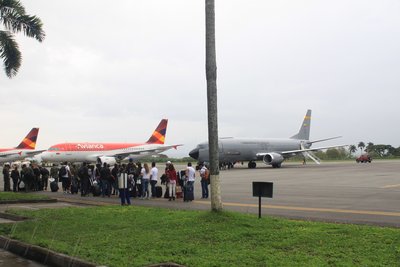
205 180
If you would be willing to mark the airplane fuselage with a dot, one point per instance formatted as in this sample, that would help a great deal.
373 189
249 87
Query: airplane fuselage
90 152
272 151
245 149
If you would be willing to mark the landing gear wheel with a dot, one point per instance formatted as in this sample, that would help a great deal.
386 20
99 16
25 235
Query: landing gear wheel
252 165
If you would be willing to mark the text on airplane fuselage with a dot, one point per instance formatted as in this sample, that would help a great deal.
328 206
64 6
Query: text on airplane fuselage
89 146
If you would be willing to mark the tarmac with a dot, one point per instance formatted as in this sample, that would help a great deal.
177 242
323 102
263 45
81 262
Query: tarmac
342 192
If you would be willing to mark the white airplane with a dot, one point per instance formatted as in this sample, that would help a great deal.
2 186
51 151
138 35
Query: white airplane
25 149
108 152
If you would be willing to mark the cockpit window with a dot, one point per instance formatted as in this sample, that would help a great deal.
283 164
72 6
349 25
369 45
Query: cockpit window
202 146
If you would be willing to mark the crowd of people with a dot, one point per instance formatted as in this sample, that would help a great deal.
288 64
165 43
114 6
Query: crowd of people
31 177
125 180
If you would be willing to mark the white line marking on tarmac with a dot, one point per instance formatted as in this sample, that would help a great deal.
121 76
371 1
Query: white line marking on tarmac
391 186
365 212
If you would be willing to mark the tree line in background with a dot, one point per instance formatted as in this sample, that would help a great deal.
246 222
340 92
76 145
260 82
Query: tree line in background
375 151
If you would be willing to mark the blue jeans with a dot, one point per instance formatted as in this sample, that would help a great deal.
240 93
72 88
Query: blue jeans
124 194
105 188
145 187
204 189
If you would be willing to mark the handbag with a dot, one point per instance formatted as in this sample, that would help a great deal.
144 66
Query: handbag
178 189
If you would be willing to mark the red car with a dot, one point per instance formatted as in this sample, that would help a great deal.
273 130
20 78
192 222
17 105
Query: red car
364 159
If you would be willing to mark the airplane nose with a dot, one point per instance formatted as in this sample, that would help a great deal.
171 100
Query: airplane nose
194 153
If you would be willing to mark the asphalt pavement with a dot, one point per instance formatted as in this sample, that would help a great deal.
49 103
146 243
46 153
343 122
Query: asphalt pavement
343 192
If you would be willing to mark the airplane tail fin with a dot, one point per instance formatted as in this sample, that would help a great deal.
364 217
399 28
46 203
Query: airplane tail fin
29 142
304 132
158 136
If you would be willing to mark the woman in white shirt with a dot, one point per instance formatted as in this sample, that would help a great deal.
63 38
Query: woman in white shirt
145 175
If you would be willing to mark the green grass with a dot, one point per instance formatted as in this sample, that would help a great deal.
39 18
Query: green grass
139 236
11 196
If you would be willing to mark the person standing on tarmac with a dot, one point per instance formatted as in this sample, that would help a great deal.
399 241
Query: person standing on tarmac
27 177
83 174
15 177
145 176
37 181
65 174
45 177
105 177
138 180
130 169
204 181
114 179
6 174
153 179
172 180
54 172
189 186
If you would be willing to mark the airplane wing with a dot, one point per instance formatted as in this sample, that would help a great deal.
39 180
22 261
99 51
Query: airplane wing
8 154
298 151
144 151
28 153
36 152
309 149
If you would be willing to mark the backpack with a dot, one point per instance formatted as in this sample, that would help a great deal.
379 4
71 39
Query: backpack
44 171
207 174
63 171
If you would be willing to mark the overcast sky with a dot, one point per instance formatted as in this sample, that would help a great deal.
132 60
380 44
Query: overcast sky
110 71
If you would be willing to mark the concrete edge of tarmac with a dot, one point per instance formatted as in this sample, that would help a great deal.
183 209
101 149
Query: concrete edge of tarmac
41 255
51 258
21 201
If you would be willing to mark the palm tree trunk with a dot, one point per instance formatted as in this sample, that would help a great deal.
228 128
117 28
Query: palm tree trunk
211 75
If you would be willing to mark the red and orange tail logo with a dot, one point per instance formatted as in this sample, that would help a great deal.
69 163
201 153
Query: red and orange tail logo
29 141
158 136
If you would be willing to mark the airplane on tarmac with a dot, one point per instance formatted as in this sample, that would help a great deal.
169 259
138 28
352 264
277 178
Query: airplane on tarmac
270 151
25 149
109 152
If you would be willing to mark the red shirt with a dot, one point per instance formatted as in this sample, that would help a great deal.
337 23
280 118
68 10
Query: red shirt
171 175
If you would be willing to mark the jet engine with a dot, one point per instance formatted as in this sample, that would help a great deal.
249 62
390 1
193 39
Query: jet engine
273 159
109 160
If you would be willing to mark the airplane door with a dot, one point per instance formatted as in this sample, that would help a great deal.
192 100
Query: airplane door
68 153
231 152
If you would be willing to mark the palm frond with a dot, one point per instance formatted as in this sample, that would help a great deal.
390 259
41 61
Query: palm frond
7 5
9 52
15 22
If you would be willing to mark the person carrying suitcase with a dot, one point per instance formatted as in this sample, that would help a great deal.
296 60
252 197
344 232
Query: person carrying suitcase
189 184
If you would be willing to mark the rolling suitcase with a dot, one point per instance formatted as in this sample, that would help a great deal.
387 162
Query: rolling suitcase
188 194
54 186
74 187
158 191
96 190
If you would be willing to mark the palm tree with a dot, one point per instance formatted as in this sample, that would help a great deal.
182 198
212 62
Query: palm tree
14 20
361 146
369 147
352 149
211 76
